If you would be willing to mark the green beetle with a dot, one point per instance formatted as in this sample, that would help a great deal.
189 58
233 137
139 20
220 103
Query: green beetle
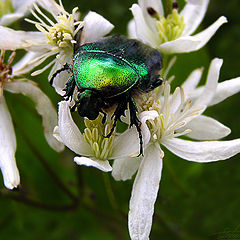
110 72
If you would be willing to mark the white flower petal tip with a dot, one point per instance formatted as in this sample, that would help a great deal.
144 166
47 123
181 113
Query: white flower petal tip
206 128
206 35
101 165
7 147
10 174
95 27
226 89
193 14
211 83
207 151
144 194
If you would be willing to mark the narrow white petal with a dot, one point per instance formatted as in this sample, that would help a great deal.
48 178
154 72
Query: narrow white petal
193 13
207 151
22 5
69 132
192 43
211 84
12 40
7 148
23 66
226 89
143 117
206 35
125 168
101 165
7 19
180 45
20 9
144 194
192 81
127 143
206 128
132 29
56 134
95 27
43 105
51 6
143 32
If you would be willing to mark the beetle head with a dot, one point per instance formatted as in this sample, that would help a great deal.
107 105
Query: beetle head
89 104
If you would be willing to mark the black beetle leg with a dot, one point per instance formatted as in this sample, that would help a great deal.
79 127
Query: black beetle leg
69 89
104 116
117 115
135 121
75 106
65 67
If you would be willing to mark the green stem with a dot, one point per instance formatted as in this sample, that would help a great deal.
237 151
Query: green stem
109 191
28 201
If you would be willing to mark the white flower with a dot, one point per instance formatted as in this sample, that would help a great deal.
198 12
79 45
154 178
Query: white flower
9 81
175 115
92 148
12 10
55 37
171 34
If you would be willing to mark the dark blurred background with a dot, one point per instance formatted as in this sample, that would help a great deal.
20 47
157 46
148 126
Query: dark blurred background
59 200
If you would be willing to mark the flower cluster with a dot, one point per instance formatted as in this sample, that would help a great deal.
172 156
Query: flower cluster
55 37
173 119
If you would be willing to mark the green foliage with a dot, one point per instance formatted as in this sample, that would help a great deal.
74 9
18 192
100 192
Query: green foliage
59 200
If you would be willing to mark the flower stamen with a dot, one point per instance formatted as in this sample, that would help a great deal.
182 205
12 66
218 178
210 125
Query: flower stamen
94 135
174 112
5 69
169 28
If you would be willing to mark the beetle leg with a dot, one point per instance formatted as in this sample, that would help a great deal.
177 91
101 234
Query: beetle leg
75 106
104 116
117 115
135 121
69 89
65 67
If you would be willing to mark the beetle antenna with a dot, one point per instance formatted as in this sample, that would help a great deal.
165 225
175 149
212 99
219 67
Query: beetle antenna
65 67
